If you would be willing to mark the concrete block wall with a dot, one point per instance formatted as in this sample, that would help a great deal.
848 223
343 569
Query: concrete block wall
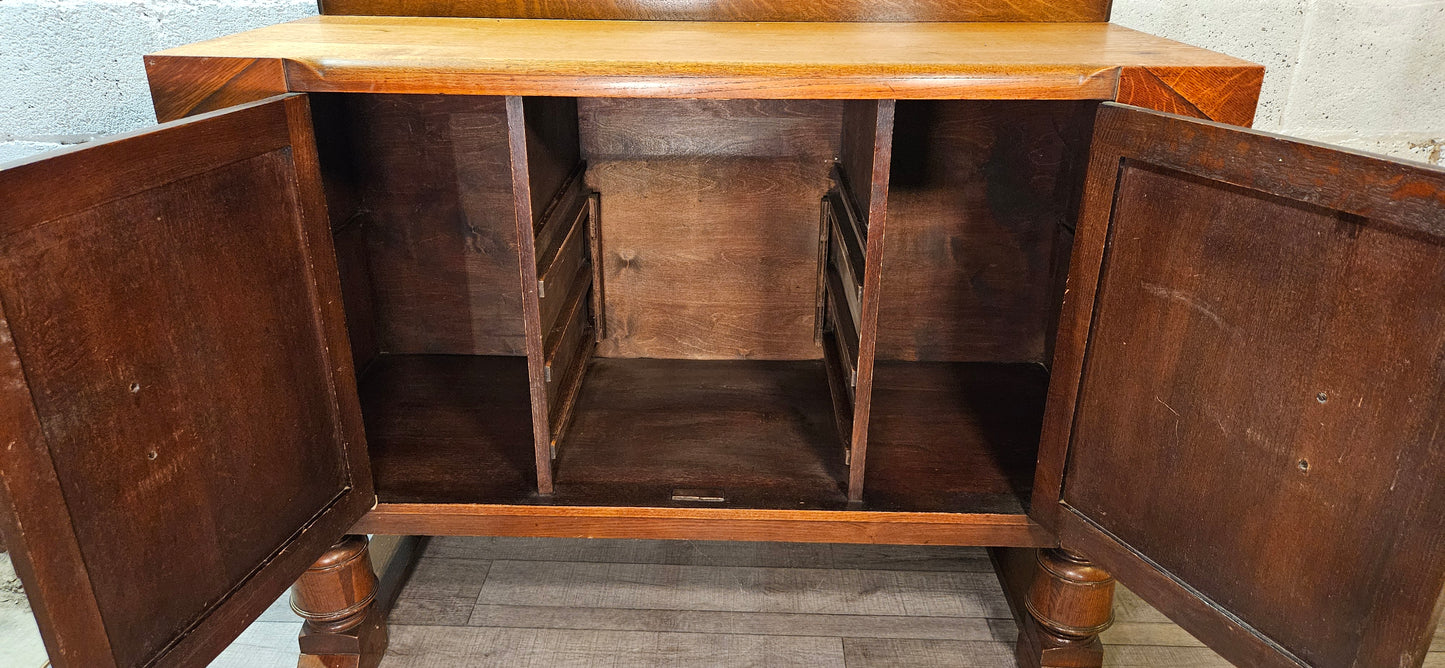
71 70
1364 73
1368 74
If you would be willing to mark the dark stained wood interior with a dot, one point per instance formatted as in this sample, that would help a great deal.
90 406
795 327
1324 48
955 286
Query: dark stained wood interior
760 433
355 269
433 175
736 10
567 347
551 209
978 191
449 428
709 224
553 152
946 437
857 172
953 436
858 202
564 267
710 250
457 429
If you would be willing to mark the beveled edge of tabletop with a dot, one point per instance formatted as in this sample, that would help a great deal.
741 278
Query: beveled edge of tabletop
705 59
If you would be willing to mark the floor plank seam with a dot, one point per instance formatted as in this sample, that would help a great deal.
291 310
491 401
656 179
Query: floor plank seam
480 591
746 612
681 633
719 566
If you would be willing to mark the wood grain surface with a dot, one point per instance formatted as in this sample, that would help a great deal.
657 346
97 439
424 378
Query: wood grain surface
1228 95
710 225
356 294
760 433
737 10
701 59
1263 360
449 428
173 342
978 192
954 437
864 155
820 526
182 87
434 176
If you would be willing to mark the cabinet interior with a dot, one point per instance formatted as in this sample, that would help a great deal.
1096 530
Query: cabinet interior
680 320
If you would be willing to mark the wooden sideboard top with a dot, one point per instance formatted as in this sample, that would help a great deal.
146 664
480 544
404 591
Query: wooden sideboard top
736 10
708 59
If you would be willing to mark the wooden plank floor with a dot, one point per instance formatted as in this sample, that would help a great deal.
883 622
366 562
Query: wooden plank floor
552 602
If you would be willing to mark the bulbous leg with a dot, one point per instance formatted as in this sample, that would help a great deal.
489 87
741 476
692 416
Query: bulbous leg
336 596
1061 603
1069 602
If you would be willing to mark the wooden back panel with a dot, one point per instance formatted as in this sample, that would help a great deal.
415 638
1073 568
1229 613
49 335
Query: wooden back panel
709 223
737 10
980 193
183 434
438 239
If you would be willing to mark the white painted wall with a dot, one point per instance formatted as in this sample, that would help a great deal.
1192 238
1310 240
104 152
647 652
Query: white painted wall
1364 73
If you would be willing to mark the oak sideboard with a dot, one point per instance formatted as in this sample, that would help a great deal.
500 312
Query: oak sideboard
968 272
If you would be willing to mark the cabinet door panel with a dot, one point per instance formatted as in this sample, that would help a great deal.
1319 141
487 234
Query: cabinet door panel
1258 439
184 432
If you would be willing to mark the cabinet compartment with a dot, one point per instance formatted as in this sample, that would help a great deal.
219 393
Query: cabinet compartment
980 217
494 363
663 302
419 190
708 386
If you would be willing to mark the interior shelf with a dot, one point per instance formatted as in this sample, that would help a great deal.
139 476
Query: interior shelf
449 429
757 434
457 429
945 437
957 437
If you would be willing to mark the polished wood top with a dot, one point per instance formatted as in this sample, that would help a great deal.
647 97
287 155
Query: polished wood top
735 10
708 59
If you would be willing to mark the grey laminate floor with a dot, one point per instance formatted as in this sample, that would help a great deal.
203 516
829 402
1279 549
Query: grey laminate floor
556 603
550 602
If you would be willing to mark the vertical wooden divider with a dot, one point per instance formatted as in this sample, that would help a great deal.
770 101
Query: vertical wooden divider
531 306
864 157
554 216
594 248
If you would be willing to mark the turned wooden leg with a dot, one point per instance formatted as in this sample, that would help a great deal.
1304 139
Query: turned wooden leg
1071 601
1061 603
336 596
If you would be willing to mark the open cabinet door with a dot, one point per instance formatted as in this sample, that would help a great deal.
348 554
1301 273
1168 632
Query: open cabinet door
180 429
1249 404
